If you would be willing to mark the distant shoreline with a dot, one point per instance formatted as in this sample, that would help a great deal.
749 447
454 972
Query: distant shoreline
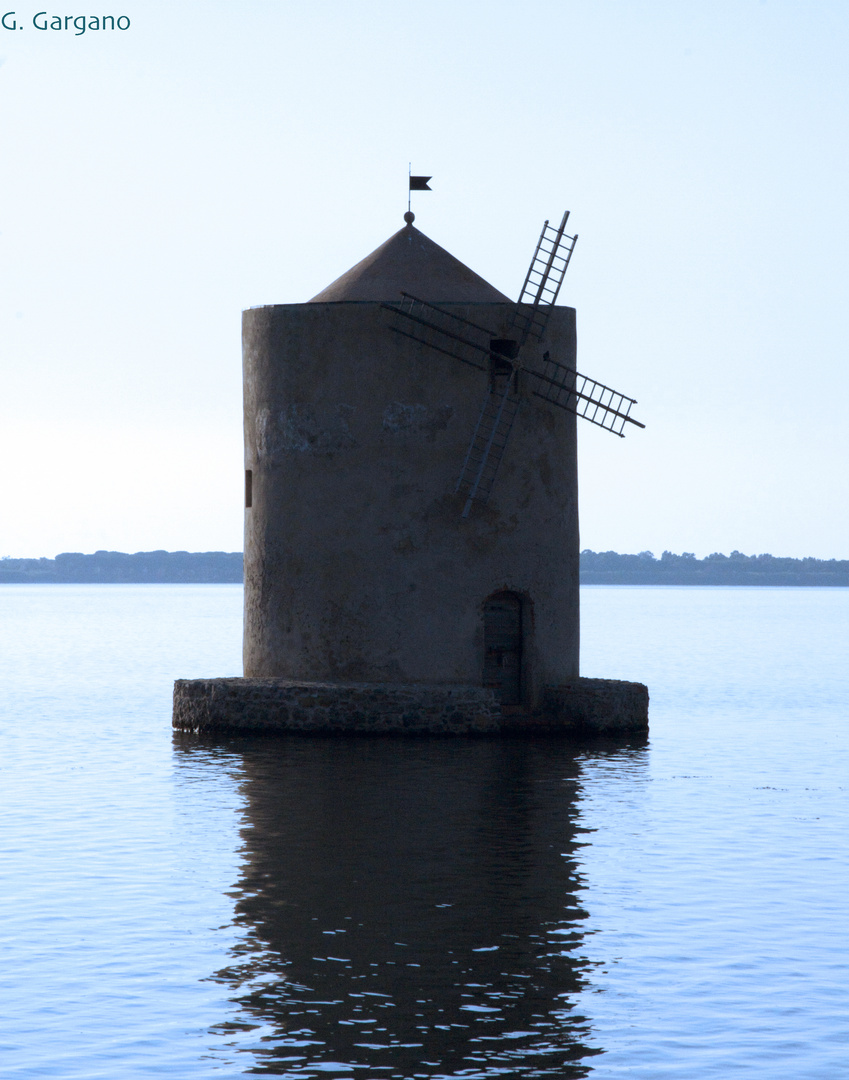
610 568
597 568
119 568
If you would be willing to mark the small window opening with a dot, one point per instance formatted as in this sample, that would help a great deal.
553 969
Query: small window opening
249 488
505 347
502 352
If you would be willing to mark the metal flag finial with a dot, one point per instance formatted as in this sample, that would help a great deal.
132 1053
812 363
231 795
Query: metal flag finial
417 183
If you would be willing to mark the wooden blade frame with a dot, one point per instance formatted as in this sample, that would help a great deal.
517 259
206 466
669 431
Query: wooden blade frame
442 330
558 384
472 344
543 280
488 444
587 398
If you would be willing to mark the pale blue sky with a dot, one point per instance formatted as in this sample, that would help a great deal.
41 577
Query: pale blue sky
216 156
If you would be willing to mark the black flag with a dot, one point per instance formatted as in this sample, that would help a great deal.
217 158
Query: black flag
419 183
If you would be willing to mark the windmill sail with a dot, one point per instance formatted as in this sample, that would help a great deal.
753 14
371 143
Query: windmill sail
548 379
543 280
441 330
583 396
488 443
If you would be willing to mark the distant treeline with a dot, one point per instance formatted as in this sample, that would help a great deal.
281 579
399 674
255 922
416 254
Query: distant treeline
116 567
597 568
610 568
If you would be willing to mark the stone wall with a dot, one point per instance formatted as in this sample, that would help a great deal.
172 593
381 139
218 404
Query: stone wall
582 707
358 565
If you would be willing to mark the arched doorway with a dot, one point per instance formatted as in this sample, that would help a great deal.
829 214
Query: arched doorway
502 646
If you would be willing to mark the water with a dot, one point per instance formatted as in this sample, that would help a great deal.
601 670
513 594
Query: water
675 906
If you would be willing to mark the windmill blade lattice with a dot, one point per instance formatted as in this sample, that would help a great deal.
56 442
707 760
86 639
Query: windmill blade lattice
473 344
548 379
441 330
488 443
583 396
543 280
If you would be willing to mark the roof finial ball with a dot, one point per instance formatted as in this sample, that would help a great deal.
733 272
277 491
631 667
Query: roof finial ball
409 217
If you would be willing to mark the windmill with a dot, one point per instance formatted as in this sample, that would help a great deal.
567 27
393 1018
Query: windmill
367 606
514 367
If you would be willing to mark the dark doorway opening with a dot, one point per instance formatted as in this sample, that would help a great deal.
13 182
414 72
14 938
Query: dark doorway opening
502 646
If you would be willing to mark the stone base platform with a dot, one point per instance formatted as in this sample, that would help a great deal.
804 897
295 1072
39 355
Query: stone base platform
580 707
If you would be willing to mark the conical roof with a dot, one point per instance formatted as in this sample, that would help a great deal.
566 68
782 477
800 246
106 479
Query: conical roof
411 262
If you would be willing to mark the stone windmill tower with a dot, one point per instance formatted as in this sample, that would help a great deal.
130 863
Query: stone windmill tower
406 568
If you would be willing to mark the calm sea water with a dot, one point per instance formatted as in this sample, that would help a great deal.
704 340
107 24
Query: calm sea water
670 907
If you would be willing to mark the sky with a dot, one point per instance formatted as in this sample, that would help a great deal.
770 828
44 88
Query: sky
156 180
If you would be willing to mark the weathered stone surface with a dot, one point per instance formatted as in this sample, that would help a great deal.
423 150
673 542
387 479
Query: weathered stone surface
604 706
358 564
581 707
